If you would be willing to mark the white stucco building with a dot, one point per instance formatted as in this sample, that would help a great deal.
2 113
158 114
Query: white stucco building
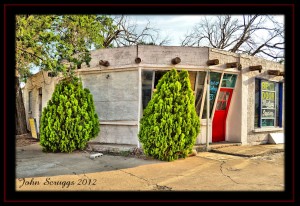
246 92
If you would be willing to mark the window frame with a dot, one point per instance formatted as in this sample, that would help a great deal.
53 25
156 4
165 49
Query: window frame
277 121
30 102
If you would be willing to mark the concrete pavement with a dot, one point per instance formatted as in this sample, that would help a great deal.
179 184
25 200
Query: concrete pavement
207 171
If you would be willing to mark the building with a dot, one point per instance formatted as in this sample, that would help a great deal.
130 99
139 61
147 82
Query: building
246 93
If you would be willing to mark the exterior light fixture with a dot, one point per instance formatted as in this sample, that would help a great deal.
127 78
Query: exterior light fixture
104 63
254 68
176 60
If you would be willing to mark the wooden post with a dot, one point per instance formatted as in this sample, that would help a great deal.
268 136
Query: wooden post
274 72
138 60
176 60
232 65
104 63
212 62
254 68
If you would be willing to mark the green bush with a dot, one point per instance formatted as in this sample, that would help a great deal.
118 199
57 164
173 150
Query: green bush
170 125
69 120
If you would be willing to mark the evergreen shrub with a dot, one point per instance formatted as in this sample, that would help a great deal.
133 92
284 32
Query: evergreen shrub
170 124
69 120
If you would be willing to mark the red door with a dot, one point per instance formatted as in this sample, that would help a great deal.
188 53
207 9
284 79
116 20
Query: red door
219 121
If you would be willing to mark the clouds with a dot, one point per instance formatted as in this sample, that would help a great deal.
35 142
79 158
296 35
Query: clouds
174 26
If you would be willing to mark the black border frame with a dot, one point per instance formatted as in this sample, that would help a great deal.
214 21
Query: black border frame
10 195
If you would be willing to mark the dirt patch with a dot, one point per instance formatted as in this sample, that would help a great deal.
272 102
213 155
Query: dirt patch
25 139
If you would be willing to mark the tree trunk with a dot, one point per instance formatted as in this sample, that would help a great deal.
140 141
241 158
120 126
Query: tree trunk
20 117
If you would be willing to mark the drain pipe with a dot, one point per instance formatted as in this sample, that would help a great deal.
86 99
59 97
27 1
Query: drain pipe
207 108
139 94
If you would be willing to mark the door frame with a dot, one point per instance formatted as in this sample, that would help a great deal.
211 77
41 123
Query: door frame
223 89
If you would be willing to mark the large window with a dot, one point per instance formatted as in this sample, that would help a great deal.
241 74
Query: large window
151 78
268 103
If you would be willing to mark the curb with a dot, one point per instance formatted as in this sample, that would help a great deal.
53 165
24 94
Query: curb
249 155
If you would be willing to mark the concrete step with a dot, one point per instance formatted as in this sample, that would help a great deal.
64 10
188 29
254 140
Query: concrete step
115 149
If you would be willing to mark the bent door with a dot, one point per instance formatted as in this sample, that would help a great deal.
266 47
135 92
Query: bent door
219 120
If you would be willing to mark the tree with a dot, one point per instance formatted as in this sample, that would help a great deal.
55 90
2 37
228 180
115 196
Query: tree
51 42
255 35
28 31
69 121
170 125
45 41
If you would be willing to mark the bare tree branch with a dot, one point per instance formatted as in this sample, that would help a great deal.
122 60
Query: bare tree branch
251 34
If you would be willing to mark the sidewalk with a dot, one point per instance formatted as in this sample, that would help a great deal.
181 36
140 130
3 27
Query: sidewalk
250 150
207 171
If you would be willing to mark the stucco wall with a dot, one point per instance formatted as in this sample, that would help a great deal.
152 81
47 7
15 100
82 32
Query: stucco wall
234 114
164 54
116 89
115 56
116 96
117 134
116 100
37 81
241 112
234 121
258 136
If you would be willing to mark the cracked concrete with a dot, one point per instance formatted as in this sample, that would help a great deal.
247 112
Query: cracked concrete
38 171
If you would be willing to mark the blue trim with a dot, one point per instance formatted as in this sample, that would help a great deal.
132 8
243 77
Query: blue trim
259 103
280 106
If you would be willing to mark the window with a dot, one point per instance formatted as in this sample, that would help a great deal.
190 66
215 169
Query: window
268 103
146 87
229 80
214 85
30 101
199 91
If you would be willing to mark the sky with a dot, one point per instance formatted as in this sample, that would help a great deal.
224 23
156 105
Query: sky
173 26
